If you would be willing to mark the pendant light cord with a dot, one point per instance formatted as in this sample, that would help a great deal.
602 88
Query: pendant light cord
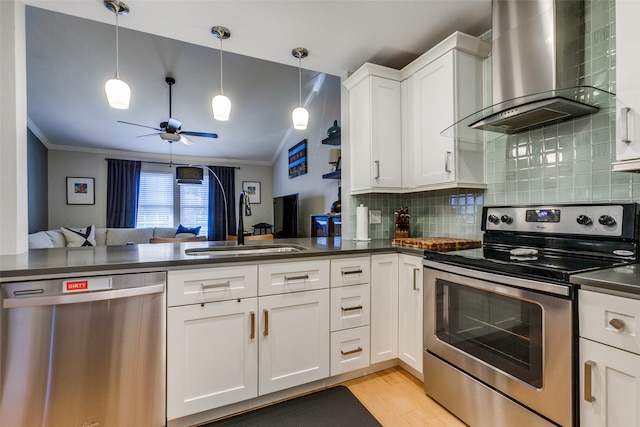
221 90
117 46
300 79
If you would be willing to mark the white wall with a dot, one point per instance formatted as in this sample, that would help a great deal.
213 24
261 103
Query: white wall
315 194
13 113
93 165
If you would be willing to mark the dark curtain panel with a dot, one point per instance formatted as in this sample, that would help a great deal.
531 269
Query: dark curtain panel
227 177
123 182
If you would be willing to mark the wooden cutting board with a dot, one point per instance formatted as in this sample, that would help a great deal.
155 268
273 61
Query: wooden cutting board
437 243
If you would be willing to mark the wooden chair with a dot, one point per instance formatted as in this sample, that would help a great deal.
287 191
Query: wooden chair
177 239
258 237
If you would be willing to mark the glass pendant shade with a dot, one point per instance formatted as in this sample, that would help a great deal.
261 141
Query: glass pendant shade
300 118
118 94
221 106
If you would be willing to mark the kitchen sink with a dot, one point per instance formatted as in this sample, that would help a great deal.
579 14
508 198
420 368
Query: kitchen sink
244 250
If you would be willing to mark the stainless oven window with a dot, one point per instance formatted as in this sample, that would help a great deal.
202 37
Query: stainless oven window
502 331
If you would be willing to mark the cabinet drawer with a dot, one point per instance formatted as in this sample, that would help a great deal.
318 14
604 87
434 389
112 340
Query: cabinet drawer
294 276
610 319
350 307
350 271
211 284
349 350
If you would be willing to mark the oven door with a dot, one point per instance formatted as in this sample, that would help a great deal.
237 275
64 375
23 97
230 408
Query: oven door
517 341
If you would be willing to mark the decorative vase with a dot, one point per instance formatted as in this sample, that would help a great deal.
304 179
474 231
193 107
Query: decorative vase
336 207
333 129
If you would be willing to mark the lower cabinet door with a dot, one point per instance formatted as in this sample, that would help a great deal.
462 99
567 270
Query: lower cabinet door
212 355
410 347
349 350
609 386
294 339
384 307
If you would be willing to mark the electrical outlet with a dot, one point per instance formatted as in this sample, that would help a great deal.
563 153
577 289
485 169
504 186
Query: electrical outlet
375 217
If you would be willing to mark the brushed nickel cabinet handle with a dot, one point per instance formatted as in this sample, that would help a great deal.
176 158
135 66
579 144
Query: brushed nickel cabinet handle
624 118
617 323
588 367
377 162
346 353
252 315
266 322
303 277
447 158
357 307
216 285
415 279
359 271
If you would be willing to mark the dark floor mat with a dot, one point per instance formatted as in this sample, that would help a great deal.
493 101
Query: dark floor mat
334 407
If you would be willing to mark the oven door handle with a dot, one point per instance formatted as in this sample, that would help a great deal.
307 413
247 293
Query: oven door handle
532 285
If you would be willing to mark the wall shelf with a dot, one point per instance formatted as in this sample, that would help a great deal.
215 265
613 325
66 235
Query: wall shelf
332 140
333 175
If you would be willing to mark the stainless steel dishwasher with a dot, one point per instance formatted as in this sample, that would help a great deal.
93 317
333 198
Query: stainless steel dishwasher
84 352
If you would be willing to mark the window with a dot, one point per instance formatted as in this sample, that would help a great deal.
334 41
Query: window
162 203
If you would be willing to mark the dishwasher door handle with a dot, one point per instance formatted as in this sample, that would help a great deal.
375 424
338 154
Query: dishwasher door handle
83 297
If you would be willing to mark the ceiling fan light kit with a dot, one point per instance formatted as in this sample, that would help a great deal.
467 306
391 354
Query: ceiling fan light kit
117 91
300 116
220 104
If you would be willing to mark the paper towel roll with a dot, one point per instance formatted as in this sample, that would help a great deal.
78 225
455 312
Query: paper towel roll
362 223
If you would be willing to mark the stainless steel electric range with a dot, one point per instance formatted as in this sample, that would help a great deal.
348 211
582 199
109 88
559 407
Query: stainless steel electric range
500 323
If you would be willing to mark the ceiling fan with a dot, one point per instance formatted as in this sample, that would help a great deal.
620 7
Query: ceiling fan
171 130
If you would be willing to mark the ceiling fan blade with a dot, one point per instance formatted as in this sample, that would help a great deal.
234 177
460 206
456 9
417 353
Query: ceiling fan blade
136 124
186 141
202 134
148 134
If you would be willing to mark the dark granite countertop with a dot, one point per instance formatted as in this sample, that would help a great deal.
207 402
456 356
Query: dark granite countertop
59 262
617 280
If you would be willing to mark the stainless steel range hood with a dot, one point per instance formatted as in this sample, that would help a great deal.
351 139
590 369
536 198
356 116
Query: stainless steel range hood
537 68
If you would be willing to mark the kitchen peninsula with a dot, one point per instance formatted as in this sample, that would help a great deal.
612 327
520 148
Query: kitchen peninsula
345 295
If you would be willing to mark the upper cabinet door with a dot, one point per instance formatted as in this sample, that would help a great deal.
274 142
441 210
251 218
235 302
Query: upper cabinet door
375 131
442 92
627 86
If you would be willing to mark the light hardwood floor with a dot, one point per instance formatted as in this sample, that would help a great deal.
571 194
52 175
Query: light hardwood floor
396 398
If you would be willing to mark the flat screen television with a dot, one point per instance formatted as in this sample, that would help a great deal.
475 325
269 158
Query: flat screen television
285 216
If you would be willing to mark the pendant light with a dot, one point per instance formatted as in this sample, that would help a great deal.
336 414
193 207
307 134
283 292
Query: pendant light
220 104
300 115
118 92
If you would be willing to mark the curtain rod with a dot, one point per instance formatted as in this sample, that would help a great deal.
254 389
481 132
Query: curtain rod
163 163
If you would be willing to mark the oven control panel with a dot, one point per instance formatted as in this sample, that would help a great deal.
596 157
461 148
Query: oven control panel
594 220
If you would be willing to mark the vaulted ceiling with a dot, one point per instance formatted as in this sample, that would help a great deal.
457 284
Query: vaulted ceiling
71 53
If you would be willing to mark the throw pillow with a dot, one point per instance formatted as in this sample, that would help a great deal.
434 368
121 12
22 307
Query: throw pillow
77 237
187 232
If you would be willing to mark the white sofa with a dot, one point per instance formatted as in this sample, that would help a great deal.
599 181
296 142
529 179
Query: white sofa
104 236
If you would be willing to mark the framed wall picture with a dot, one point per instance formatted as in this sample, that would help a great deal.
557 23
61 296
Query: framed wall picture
81 191
253 190
298 159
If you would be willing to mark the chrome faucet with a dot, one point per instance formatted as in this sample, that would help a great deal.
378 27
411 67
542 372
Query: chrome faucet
244 201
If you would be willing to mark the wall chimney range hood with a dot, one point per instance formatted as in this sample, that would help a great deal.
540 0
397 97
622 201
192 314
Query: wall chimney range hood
537 70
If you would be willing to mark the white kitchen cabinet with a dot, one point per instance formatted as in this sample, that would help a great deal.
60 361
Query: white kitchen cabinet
349 350
627 86
212 355
609 360
350 313
293 276
612 398
410 294
294 339
375 133
439 94
384 307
